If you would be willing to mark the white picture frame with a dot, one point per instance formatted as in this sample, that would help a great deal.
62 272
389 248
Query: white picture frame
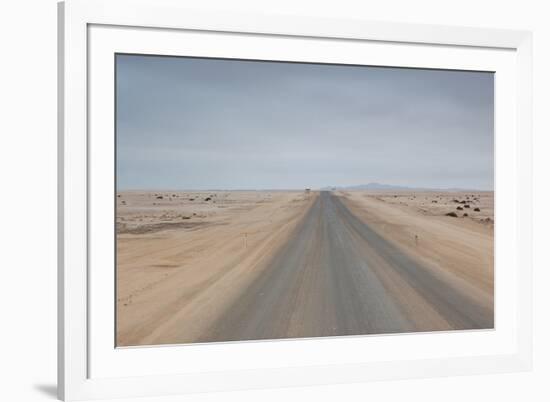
89 365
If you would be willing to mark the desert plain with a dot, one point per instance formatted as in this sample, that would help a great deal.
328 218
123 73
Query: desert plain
216 266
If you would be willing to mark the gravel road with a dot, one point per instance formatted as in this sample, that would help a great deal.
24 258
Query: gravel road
337 276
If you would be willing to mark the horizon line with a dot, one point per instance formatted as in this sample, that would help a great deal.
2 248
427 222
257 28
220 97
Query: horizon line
326 188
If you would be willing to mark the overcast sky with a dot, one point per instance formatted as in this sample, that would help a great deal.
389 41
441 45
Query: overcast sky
185 123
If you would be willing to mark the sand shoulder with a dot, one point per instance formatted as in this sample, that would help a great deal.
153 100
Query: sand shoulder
458 248
183 256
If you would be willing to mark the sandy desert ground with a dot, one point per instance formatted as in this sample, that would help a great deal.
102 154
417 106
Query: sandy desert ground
227 266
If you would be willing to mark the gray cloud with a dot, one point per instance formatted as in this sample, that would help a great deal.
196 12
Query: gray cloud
201 123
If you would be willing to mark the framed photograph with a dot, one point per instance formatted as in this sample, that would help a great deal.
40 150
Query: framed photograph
251 201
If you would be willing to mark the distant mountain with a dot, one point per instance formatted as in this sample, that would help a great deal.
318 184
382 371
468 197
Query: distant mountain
390 187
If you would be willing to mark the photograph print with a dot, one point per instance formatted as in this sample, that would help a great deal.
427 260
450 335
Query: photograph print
265 200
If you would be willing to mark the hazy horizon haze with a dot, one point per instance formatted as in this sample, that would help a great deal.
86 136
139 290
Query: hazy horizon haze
203 124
